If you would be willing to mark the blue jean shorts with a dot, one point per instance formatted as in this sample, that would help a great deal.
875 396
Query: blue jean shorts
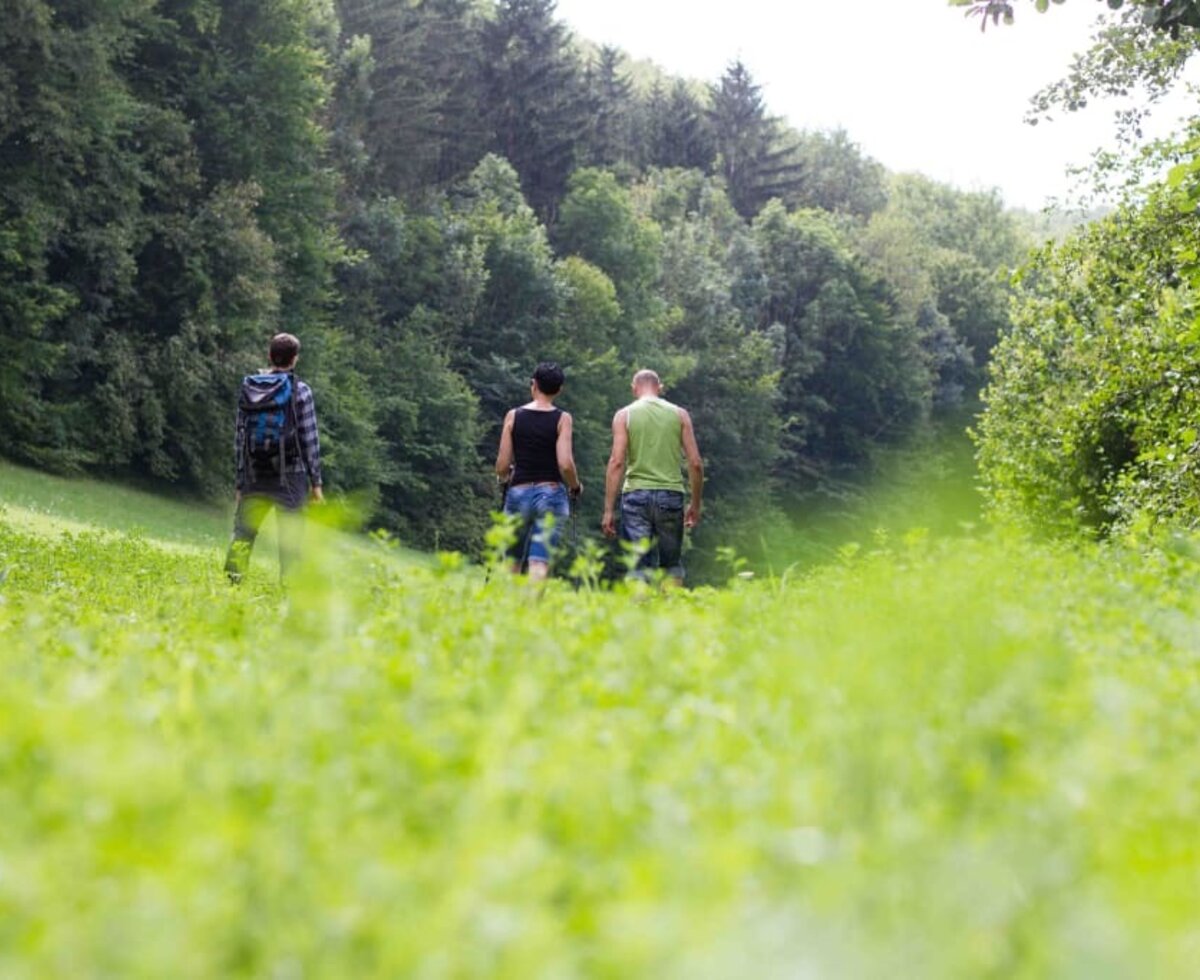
655 516
533 503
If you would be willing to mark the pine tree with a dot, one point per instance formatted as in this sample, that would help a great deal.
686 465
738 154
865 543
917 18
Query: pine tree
676 130
534 98
610 92
424 127
754 159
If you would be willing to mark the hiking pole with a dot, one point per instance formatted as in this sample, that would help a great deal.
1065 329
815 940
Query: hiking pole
573 497
573 504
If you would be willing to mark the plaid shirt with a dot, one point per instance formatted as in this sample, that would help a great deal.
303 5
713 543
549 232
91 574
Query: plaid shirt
306 429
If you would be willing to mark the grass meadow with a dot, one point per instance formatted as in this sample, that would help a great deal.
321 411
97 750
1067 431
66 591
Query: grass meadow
959 756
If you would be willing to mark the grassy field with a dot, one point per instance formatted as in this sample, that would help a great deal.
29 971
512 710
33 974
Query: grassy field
968 757
41 502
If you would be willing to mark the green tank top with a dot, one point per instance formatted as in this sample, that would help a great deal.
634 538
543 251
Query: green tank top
655 446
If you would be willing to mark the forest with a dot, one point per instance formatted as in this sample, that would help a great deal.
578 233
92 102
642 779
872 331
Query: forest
434 197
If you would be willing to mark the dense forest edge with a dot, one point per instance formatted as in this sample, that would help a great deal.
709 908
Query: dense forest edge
435 197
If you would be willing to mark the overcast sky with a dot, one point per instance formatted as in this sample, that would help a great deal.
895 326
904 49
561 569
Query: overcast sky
913 82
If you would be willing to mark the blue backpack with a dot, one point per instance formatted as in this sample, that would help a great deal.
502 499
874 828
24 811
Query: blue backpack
268 402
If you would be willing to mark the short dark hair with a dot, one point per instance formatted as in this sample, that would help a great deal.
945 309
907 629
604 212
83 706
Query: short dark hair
549 378
283 350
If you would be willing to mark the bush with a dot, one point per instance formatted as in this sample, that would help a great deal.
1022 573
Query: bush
1091 413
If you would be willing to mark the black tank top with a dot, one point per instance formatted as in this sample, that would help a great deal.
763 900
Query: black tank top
535 438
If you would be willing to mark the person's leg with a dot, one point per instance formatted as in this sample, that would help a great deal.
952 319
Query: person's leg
290 522
668 526
518 504
251 511
552 510
637 528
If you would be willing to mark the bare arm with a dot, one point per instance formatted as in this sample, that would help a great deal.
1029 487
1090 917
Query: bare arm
566 454
504 458
615 472
695 465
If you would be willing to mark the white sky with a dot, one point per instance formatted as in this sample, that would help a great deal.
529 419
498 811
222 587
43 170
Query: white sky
913 82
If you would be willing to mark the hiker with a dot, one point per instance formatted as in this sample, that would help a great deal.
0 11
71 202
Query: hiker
651 438
537 463
277 454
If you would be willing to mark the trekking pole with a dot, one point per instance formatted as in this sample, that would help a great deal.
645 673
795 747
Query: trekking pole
574 502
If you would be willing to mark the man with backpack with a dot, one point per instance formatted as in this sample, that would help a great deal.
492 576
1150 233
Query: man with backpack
651 440
277 453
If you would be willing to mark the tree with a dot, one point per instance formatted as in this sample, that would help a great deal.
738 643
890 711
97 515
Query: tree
1142 48
598 221
1169 16
834 175
675 130
853 376
534 99
610 94
946 253
423 127
752 156
518 313
1091 411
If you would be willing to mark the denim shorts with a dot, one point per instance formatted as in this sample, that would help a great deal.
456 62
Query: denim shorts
532 502
656 516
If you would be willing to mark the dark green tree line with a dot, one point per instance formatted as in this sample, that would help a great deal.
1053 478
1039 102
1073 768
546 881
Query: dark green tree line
435 196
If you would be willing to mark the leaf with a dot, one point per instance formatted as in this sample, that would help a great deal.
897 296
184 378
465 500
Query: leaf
1179 173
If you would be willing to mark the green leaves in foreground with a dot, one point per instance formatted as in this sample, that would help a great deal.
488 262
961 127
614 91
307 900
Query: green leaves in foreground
971 760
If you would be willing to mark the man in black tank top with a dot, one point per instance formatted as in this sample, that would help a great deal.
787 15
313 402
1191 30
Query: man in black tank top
537 461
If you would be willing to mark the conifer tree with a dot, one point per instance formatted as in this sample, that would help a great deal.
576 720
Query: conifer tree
534 98
753 157
676 130
424 127
610 92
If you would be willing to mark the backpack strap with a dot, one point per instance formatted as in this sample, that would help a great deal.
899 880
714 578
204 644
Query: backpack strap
291 407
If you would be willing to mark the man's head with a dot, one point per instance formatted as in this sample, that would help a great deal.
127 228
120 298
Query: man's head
283 351
548 377
646 382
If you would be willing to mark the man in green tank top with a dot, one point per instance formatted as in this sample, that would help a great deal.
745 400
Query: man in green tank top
651 440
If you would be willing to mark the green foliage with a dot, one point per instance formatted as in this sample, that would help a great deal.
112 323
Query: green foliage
138 291
1091 410
534 97
398 766
676 130
610 138
835 176
421 120
434 196
946 257
852 378
517 314
1171 17
754 155
1140 49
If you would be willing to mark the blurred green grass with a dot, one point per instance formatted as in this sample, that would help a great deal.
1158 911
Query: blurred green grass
928 486
934 756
